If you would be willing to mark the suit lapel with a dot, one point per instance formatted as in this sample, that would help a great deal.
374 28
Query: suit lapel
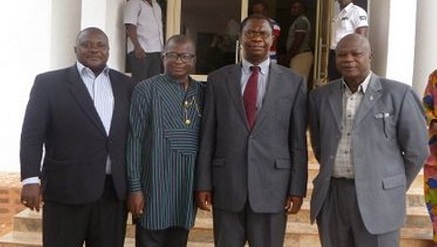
119 104
233 79
372 95
83 98
273 88
335 99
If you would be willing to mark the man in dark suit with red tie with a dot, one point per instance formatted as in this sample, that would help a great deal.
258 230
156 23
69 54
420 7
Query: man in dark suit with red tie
252 163
79 117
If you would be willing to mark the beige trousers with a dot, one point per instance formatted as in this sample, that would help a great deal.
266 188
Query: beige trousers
301 63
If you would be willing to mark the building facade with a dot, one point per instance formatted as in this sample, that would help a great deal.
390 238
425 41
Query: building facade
40 35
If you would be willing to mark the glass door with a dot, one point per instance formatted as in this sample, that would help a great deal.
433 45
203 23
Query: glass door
214 27
326 10
322 39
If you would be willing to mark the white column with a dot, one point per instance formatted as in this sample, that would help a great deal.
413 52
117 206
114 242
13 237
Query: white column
65 25
108 16
378 30
425 59
401 41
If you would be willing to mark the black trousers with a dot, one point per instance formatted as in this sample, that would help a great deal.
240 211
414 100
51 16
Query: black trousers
98 224
170 237
146 67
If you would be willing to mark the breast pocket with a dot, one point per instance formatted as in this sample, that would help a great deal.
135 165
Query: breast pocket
346 24
388 124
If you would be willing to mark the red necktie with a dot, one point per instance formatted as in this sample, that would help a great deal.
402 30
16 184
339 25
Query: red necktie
249 95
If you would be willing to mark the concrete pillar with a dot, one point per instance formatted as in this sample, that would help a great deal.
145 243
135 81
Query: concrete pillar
378 29
425 59
65 24
108 16
401 41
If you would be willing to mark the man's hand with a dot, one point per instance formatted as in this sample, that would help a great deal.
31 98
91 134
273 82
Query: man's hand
135 204
139 52
297 203
31 196
204 200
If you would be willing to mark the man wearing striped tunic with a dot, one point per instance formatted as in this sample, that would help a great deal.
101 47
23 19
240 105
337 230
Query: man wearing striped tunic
162 147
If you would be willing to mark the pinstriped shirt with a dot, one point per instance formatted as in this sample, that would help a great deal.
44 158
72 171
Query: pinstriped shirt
343 165
100 90
162 149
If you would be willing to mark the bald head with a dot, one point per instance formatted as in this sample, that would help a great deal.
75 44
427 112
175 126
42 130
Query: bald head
356 39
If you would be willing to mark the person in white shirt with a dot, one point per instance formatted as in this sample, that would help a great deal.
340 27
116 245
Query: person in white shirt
350 19
144 28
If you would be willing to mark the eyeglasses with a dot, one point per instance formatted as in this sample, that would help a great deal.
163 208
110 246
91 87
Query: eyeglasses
173 56
255 34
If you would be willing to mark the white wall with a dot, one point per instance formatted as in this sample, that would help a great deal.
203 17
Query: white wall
426 37
378 29
65 19
107 15
24 48
38 36
401 40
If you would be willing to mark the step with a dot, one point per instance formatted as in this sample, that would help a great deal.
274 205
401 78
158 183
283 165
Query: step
34 239
417 215
298 235
30 221
305 235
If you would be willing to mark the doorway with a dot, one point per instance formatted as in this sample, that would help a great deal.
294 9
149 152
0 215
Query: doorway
214 26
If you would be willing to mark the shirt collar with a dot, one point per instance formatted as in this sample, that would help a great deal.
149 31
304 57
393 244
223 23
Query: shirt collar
264 66
348 7
363 86
171 80
83 70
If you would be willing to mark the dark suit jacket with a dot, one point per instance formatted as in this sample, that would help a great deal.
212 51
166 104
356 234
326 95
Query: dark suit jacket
262 166
389 142
61 117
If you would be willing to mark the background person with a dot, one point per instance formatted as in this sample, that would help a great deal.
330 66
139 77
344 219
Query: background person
144 28
261 8
430 169
299 55
350 19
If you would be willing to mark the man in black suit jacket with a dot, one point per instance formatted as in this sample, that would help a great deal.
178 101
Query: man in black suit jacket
79 116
